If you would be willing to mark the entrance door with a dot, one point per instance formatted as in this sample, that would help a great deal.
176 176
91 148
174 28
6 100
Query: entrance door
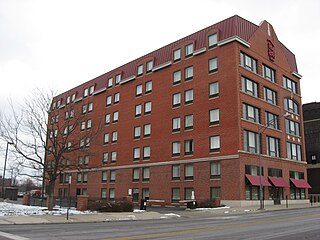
277 196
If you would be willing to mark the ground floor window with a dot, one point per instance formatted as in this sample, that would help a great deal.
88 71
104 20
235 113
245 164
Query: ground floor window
135 194
275 193
252 193
145 193
188 193
175 195
297 193
215 192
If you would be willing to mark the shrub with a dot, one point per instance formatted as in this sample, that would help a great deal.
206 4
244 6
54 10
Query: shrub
110 206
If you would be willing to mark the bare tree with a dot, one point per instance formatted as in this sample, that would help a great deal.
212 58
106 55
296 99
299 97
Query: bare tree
42 143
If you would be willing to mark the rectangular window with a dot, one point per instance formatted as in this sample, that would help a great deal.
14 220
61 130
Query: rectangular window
253 170
188 171
83 126
89 124
139 90
115 117
175 172
273 146
188 73
138 110
86 160
292 127
106 138
176 124
272 120
140 70
116 98
177 77
268 73
214 116
290 85
188 122
251 142
249 86
145 193
250 113
136 153
188 193
112 194
215 192
84 109
110 82
149 66
147 130
212 40
214 169
146 152
135 194
79 177
149 87
189 50
147 108
108 100
176 55
105 158
136 174
91 90
215 144
112 175
90 107
114 137
137 132
175 148
175 195
113 157
248 62
85 92
85 177
145 174
118 79
103 193
188 147
274 172
270 96
176 99
104 176
213 89
213 65
188 96
107 118
294 151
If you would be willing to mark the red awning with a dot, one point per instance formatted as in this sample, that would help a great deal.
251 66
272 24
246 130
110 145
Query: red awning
278 182
255 180
300 183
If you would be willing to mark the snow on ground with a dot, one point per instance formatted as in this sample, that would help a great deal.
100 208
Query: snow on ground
211 209
11 209
170 215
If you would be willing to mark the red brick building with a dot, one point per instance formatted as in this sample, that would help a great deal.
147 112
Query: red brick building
186 117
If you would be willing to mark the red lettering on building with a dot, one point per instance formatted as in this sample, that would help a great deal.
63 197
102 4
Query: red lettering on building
271 52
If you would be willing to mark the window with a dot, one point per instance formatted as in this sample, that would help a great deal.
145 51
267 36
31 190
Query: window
251 142
112 194
175 148
106 138
293 151
212 40
116 98
292 127
273 146
188 73
138 110
91 90
85 92
83 126
175 195
215 192
137 132
213 65
135 175
250 113
188 122
215 144
274 172
147 130
213 89
253 170
291 106
68 99
177 55
107 118
272 120
249 86
177 77
188 96
214 169
79 177
114 137
112 175
290 85
89 124
135 194
86 160
268 73
84 109
149 66
188 147
118 79
140 70
139 90
87 142
214 116
176 99
189 50
248 62
136 153
176 124
147 108
108 100
188 171
270 96
149 87
73 97
146 152
145 174
113 156
145 193
90 107
85 177
104 176
110 81
115 117
175 172
105 158
103 193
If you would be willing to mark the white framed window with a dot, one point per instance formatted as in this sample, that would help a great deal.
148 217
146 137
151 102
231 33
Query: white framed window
146 152
89 124
273 146
91 90
214 116
114 136
189 50
188 122
268 73
84 109
214 143
272 120
118 79
251 142
140 70
113 156
116 98
108 100
73 98
176 124
115 117
137 132
85 92
68 99
293 151
176 148
292 127
83 126
147 108
249 86
136 153
270 96
250 113
176 55
107 118
176 99
290 84
177 77
212 40
138 110
188 73
106 138
110 82
139 90
213 65
188 96
248 62
149 86
147 130
149 66
213 89
291 106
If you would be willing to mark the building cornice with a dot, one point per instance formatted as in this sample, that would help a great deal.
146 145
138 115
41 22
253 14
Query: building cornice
232 39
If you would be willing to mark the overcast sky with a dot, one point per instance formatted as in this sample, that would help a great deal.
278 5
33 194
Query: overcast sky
62 43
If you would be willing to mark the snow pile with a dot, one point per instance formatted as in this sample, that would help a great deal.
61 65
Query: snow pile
211 209
10 209
170 215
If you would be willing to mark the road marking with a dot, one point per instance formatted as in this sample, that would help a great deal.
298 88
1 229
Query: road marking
217 228
13 237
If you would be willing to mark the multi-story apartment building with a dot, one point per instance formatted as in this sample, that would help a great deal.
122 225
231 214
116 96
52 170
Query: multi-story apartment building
185 120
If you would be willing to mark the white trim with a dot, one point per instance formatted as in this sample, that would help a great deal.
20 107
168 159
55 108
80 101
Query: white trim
78 99
128 79
199 51
99 91
163 65
234 38
294 73
62 106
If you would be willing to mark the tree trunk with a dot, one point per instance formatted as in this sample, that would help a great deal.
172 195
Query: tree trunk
50 192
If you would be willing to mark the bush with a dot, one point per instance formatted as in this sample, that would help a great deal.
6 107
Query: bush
110 206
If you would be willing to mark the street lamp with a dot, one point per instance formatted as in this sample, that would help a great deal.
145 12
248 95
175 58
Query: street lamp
261 129
4 168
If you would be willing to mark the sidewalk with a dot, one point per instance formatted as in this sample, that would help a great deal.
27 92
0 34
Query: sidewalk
163 213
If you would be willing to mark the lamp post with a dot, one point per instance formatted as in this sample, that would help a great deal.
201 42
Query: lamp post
261 129
4 169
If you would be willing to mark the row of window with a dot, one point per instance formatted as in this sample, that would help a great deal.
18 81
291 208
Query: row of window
148 88
114 137
116 98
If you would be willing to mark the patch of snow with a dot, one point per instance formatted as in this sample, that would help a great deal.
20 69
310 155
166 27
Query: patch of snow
170 215
211 209
247 210
226 212
138 211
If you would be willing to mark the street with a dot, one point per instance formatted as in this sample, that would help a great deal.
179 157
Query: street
284 224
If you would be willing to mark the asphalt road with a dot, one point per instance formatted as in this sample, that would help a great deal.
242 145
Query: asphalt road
285 224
